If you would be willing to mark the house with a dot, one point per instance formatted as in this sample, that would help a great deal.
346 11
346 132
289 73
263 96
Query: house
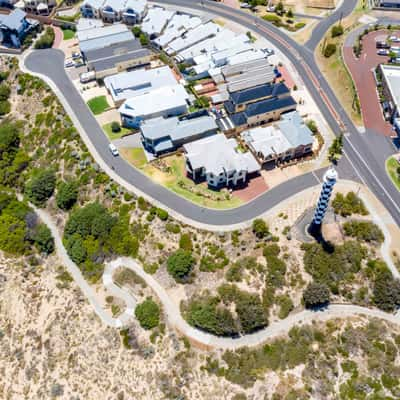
217 160
117 57
127 11
162 135
14 27
166 101
103 36
133 83
155 21
88 23
391 90
39 7
283 141
258 105
390 4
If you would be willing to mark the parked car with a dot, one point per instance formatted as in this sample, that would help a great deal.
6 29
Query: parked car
76 55
245 5
383 52
113 149
69 64
382 45
394 39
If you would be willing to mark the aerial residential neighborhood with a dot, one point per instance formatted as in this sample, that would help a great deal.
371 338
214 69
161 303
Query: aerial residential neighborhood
200 199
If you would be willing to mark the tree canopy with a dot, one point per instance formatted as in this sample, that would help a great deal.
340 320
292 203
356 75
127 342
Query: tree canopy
148 314
41 187
180 264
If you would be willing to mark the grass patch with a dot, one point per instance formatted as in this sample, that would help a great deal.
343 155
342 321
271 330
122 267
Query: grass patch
173 177
98 105
115 135
391 169
68 34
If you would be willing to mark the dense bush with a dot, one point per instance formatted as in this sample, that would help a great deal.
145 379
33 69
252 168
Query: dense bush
214 260
332 266
330 50
205 313
260 228
348 205
41 187
92 233
172 228
148 314
46 40
364 230
316 295
180 265
115 127
43 239
67 195
386 291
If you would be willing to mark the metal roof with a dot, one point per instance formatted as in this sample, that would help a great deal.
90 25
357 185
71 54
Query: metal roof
295 130
13 20
258 92
106 41
155 20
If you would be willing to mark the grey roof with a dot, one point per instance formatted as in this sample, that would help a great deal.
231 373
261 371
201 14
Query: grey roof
229 70
13 20
177 129
107 57
262 107
295 130
105 41
258 92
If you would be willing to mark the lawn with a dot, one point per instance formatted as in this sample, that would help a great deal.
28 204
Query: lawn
391 169
68 34
98 104
173 176
115 135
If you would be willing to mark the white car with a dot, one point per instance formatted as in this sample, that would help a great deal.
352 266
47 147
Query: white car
76 55
394 39
69 64
113 149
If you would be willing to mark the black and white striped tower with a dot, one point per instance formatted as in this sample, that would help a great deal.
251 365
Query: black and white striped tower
330 178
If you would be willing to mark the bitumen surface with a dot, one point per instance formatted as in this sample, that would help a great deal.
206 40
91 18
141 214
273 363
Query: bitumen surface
365 161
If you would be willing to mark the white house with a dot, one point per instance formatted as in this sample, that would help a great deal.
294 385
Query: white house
155 21
166 101
217 160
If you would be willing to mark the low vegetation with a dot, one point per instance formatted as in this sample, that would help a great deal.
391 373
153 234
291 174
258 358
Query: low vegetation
365 231
148 314
46 40
348 205
98 105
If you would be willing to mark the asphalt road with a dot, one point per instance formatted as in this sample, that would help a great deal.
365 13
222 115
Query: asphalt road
365 154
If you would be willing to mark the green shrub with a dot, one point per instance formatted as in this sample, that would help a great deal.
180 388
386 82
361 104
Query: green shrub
386 291
275 19
46 40
285 305
330 50
172 228
12 234
348 205
41 187
43 239
316 295
260 228
67 195
180 265
185 242
148 314
115 127
162 214
5 107
364 230
337 30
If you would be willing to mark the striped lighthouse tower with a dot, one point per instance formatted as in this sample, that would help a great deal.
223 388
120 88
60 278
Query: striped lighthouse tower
330 179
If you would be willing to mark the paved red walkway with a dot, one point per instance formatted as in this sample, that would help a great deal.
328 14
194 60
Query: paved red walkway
289 82
254 188
362 71
58 37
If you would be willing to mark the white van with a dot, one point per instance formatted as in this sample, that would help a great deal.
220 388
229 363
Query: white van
113 149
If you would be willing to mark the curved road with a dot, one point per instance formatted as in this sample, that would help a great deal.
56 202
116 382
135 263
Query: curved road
365 154
172 311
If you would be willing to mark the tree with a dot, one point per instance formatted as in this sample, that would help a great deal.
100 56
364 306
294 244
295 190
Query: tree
280 9
67 195
316 295
180 264
260 228
43 239
9 138
336 148
148 314
41 187
289 13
